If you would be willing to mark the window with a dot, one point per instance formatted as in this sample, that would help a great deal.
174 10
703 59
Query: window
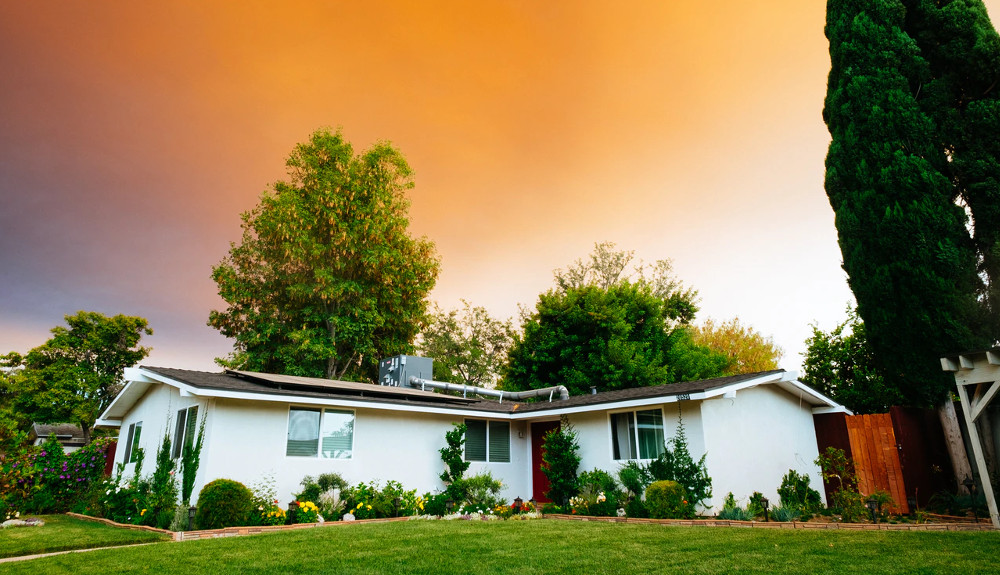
326 433
487 441
187 422
637 434
132 443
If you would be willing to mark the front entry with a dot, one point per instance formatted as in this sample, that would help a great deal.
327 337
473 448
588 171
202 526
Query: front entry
539 482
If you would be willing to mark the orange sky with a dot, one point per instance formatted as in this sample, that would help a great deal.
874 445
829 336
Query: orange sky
132 137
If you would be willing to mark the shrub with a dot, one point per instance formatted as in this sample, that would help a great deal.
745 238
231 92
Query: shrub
163 489
453 457
636 508
560 462
190 461
635 478
783 513
303 512
312 488
223 503
796 494
436 504
599 494
483 490
265 509
668 500
755 507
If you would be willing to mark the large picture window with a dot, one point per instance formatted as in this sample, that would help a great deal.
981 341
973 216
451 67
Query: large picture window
187 424
487 441
637 434
325 433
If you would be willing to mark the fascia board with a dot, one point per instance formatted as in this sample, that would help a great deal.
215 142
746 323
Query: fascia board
764 379
611 405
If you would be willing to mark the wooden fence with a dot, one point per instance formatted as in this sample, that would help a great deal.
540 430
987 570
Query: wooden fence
876 457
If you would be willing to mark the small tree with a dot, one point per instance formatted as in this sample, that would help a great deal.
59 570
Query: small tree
163 488
455 463
561 459
676 464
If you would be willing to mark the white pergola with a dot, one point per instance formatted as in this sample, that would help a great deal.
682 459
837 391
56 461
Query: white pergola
977 375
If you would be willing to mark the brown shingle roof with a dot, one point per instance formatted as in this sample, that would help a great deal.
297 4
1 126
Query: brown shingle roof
328 389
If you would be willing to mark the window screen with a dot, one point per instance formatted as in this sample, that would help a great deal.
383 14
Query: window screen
475 440
303 432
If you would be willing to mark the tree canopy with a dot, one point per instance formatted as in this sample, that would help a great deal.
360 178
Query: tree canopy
76 374
910 260
327 279
601 328
468 346
840 364
746 349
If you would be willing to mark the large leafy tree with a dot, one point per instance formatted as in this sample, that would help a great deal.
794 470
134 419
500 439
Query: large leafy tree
468 346
909 259
840 364
76 374
327 279
747 349
603 326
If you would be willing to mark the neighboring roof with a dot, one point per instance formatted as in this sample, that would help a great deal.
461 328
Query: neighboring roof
66 433
272 387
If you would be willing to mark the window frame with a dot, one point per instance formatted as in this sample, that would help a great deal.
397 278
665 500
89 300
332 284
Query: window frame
132 442
635 435
320 430
488 425
184 429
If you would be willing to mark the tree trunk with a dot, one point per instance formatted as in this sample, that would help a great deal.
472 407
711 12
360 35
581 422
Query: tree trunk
953 440
86 433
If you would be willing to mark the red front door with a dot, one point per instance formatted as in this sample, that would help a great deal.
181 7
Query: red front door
539 482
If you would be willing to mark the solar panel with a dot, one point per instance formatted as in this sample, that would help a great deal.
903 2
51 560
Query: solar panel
346 386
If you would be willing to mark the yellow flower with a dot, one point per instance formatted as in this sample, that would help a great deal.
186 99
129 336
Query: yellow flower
359 505
141 513
369 507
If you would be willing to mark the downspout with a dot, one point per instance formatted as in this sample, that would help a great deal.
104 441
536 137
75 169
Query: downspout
512 395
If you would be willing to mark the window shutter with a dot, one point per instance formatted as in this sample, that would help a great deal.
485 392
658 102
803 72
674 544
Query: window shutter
500 441
175 449
475 440
303 432
192 425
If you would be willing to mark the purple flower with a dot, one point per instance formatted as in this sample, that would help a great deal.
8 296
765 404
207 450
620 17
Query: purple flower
43 454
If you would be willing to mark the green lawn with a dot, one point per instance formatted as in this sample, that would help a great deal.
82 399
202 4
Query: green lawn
61 533
549 546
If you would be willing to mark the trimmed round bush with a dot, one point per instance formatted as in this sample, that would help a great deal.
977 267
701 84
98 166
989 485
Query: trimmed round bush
667 500
224 503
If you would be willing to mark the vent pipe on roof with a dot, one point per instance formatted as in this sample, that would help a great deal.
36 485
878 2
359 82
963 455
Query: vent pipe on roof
511 395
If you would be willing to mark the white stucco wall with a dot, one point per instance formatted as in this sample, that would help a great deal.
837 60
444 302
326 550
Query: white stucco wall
157 410
754 438
249 441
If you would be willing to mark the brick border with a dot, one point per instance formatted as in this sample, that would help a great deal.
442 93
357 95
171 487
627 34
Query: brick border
231 531
783 525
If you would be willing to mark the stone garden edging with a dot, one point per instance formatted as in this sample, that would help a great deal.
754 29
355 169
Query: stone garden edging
784 525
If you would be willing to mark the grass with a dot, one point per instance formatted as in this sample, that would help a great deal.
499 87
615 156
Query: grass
62 533
549 546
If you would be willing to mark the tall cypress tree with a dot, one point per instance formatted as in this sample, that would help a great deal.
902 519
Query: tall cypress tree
909 258
962 97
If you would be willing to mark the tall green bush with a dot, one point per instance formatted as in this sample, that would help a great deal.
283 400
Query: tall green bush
190 460
561 460
453 456
223 503
163 488
796 494
668 500
676 464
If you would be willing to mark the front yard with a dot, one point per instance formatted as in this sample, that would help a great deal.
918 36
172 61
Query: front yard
62 533
542 546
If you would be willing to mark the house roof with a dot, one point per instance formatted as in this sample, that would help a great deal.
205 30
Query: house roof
294 389
66 433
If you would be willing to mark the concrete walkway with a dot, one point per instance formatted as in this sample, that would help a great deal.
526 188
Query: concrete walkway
40 555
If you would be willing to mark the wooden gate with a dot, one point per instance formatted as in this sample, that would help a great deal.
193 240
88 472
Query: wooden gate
876 457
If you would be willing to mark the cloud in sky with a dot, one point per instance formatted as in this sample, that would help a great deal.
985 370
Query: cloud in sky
132 136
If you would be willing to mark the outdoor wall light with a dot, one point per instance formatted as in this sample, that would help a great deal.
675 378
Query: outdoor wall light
970 484
872 505
518 502
191 512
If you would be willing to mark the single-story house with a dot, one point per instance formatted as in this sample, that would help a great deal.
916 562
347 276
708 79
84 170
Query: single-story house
753 427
